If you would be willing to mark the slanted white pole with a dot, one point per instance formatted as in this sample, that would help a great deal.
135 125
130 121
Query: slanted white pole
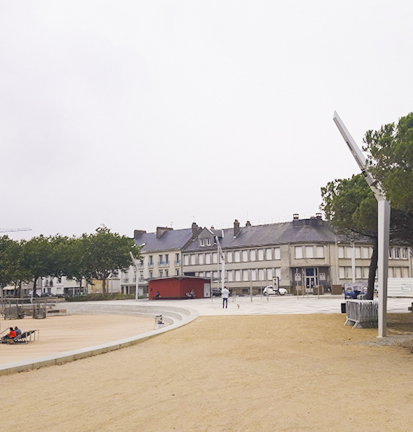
383 209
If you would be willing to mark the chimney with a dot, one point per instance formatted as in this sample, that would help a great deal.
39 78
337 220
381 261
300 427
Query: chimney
296 216
236 228
248 224
160 231
195 230
138 233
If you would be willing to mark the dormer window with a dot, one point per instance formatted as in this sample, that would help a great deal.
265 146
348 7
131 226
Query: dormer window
208 242
202 242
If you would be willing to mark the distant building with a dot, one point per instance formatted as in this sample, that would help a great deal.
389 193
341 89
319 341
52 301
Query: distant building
302 253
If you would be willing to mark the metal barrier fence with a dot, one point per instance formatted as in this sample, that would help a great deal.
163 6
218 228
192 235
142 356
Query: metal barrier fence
362 313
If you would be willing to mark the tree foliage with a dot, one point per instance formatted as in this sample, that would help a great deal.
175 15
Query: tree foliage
105 253
91 256
391 161
351 208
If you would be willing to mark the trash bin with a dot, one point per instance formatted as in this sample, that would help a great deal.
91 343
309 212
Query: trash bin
343 308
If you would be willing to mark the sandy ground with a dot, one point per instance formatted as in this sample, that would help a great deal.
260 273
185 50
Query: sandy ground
57 334
233 373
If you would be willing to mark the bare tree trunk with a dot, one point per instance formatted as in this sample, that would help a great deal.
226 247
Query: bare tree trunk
104 285
373 269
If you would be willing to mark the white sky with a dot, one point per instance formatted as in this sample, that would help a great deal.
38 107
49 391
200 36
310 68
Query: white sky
137 114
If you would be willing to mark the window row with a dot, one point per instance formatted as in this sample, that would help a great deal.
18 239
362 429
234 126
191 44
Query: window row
247 255
308 252
363 272
244 275
162 260
365 252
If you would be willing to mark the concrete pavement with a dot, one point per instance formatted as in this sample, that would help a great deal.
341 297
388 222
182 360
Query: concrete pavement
274 305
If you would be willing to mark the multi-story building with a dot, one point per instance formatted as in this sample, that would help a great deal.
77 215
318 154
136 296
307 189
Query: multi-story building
161 256
300 253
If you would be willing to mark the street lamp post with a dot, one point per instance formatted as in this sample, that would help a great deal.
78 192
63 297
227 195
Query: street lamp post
383 209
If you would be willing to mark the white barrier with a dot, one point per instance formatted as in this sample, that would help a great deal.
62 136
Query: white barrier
362 313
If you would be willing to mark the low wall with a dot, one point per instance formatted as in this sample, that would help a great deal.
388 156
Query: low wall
174 316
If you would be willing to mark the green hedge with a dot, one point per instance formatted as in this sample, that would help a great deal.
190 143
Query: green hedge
100 297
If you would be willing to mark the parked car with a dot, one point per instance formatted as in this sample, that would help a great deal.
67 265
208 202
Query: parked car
270 290
216 292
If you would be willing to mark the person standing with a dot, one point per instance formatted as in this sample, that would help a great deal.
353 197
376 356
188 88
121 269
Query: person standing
225 294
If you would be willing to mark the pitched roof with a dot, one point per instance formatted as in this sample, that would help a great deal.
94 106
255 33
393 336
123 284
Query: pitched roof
302 231
169 240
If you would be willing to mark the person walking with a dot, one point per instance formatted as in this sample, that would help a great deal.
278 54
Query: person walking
225 294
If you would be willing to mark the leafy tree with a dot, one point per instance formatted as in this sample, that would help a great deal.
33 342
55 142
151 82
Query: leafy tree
11 270
40 258
351 208
391 159
105 253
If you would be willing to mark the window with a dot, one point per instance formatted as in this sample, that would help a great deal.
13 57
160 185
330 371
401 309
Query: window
261 274
254 275
201 259
229 275
341 252
166 273
229 257
150 274
208 242
245 275
278 273
260 254
320 251
341 272
252 255
237 256
141 276
358 272
405 253
160 259
269 274
298 252
397 253
215 275
160 273
309 252
358 252
214 257
237 275
150 260
245 256
348 251
202 242
268 254
207 258
177 259
390 253
167 259
177 272
366 272
186 260
277 253
193 260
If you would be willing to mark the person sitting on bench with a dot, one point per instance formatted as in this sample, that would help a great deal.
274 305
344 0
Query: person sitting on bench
11 335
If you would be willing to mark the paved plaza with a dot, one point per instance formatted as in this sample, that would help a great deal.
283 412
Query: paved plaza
274 305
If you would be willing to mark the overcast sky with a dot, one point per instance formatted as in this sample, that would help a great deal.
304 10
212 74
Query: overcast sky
137 114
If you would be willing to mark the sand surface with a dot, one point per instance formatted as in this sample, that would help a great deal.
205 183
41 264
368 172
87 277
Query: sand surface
57 334
244 373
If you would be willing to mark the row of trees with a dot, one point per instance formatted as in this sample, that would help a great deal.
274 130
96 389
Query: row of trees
91 256
350 205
